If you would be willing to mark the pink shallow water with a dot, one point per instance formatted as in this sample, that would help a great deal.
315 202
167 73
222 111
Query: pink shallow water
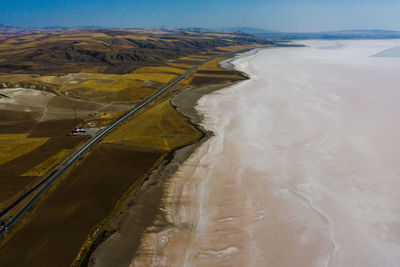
303 170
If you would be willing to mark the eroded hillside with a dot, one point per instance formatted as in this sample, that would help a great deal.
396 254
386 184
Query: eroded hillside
106 51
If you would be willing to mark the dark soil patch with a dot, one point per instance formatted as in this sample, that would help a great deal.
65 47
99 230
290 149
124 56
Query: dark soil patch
97 95
187 62
10 185
62 222
22 164
201 81
219 72
12 121
69 103
11 181
53 128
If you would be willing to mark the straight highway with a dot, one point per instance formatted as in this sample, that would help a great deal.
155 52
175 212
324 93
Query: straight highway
40 188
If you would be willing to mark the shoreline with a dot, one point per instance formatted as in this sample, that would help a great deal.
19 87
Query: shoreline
240 202
149 198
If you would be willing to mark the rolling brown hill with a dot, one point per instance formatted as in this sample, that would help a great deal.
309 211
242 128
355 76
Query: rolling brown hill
106 51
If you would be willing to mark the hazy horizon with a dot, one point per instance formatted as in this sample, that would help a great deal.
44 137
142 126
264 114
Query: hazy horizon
274 15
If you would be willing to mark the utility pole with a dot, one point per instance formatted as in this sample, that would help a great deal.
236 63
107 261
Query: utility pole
76 119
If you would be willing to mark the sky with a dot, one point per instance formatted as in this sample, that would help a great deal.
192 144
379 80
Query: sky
276 15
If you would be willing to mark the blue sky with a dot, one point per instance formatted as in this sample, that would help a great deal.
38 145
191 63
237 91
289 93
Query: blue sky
279 15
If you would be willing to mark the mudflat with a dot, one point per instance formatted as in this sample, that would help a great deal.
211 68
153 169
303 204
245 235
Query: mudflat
302 170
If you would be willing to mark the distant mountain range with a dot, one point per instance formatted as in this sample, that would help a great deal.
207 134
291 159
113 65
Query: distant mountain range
346 34
63 28
349 34
10 29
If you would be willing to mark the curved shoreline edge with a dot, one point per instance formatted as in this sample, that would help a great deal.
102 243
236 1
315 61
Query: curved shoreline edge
120 243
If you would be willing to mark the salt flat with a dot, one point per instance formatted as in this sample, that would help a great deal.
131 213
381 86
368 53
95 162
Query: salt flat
303 169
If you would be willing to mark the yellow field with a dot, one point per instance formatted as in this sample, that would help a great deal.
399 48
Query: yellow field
159 128
118 84
135 37
221 34
16 77
17 145
212 64
50 79
21 78
163 69
35 43
45 166
86 34
180 65
26 38
193 58
233 77
141 76
188 79
133 86
155 77
200 56
237 47
81 43
4 49
139 94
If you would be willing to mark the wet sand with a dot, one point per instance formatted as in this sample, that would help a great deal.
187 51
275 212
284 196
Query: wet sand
302 170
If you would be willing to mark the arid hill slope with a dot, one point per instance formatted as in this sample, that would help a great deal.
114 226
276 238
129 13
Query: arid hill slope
106 51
